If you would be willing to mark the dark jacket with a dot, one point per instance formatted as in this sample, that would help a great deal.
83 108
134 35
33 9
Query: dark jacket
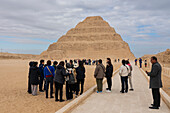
41 68
34 73
99 71
55 67
60 74
80 73
109 71
155 76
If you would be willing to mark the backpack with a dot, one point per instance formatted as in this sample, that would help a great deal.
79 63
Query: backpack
71 79
129 71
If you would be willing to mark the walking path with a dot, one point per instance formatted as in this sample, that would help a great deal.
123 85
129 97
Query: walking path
137 101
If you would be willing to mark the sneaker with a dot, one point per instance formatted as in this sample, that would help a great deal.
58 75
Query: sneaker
52 97
99 91
108 91
131 89
107 88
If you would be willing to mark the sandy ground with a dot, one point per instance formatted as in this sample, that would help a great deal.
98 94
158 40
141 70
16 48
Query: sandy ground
13 86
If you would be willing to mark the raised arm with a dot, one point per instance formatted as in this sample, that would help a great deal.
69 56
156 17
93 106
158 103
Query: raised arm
154 71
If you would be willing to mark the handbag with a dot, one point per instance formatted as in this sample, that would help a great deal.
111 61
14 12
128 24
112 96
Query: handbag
71 79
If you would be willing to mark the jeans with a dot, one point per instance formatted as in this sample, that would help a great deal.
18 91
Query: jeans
49 80
58 86
124 81
156 97
140 65
78 86
34 89
109 82
99 84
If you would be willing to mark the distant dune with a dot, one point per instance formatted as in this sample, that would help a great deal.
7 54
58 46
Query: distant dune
17 56
163 57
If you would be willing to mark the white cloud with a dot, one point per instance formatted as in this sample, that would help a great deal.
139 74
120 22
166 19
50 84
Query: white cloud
50 19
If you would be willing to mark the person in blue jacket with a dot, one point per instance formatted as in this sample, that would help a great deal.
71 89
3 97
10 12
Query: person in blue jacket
140 62
136 61
49 73
41 68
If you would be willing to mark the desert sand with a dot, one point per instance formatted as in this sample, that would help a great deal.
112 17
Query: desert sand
13 86
163 58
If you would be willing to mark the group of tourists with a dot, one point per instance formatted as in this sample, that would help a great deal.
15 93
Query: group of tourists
46 75
72 75
125 72
140 62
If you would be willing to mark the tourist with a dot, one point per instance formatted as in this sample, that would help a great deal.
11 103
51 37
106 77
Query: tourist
109 72
136 61
70 65
65 61
59 80
80 72
44 79
29 85
99 75
130 75
124 72
145 63
34 75
41 68
89 61
69 86
140 62
155 82
48 76
55 64
96 62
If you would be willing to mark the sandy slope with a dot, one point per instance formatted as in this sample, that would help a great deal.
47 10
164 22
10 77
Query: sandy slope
13 86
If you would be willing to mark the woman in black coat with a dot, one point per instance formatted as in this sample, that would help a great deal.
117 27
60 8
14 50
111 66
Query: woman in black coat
34 78
80 78
109 72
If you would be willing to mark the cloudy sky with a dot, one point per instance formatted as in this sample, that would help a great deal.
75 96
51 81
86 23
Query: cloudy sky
29 26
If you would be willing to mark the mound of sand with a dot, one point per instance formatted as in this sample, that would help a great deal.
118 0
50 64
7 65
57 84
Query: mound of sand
91 38
17 56
163 57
